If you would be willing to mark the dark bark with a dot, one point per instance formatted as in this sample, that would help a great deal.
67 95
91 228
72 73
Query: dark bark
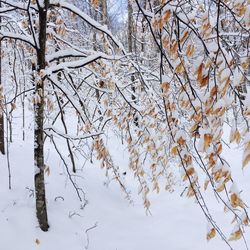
41 209
104 10
2 149
130 27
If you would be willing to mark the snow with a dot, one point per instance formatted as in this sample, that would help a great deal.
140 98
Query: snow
99 215
25 38
88 19
74 64
69 136
107 221
18 5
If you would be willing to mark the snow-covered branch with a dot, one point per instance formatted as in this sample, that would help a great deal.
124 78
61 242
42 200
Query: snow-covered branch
19 37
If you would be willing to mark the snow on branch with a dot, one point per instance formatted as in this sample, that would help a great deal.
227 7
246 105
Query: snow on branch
22 38
72 137
78 63
17 5
88 19
64 54
7 9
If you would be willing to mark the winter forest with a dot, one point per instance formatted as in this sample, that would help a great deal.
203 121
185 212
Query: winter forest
124 124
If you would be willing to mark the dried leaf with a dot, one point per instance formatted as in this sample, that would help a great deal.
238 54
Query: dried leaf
246 160
174 151
236 201
236 235
207 141
184 37
220 188
179 68
206 184
165 87
167 16
181 141
190 171
211 234
190 50
13 106
37 242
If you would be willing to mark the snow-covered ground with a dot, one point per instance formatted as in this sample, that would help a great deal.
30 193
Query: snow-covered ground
108 221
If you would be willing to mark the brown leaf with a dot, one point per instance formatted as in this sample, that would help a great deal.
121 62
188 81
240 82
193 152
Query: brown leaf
213 91
246 160
174 151
237 136
184 37
199 72
167 16
181 141
236 201
189 172
220 188
165 87
13 106
190 50
179 68
211 234
204 81
236 235
95 3
207 141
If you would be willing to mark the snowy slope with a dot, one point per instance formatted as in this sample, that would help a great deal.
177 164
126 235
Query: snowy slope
108 221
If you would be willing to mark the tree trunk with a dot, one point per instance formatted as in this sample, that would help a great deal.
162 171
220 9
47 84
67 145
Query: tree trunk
130 48
130 27
41 209
104 12
2 149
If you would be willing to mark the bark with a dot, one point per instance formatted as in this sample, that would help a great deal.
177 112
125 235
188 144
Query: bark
130 47
130 27
104 21
41 209
2 149
143 23
104 12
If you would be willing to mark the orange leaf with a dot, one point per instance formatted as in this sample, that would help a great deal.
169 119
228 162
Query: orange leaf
189 172
204 81
246 160
237 136
211 234
207 140
179 68
236 235
184 37
236 201
181 141
190 50
167 16
165 87
220 188
174 151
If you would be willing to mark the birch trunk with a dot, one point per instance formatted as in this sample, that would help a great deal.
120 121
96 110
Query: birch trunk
41 210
